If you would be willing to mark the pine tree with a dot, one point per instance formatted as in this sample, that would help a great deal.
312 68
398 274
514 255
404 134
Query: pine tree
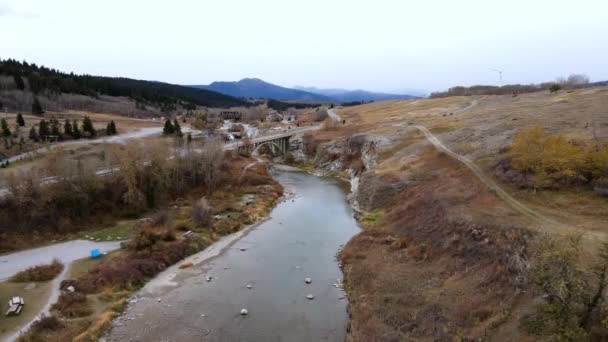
37 107
111 128
6 132
177 128
19 82
87 127
33 134
76 134
67 128
20 120
55 127
43 130
168 129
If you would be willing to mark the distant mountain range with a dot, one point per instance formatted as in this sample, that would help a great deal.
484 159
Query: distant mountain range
344 95
256 88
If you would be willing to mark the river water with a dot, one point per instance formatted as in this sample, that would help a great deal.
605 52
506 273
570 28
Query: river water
299 240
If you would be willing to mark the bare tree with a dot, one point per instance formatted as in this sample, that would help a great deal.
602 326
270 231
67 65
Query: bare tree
212 156
578 79
201 212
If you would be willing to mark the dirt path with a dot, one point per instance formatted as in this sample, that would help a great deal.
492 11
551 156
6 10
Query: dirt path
515 204
332 114
543 222
539 219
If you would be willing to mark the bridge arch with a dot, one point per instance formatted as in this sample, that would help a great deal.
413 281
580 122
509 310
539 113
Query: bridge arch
266 143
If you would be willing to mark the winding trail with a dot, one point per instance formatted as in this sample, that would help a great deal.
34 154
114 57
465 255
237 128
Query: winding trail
493 186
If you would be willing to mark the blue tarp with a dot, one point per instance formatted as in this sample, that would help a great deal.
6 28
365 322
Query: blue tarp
95 253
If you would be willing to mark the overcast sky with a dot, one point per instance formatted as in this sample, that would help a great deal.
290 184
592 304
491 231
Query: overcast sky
378 45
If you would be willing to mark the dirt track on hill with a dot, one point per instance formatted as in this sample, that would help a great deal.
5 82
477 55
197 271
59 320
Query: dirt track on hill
515 204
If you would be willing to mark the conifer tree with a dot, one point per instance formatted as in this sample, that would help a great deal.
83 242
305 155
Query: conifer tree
111 128
87 127
76 134
19 82
6 132
20 120
67 128
43 129
33 134
177 129
37 107
168 129
55 131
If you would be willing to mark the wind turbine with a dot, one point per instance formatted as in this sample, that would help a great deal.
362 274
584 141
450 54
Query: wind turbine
499 75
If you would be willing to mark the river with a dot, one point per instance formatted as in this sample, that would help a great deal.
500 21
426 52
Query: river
298 241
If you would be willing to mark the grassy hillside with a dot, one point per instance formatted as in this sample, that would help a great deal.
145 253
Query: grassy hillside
498 235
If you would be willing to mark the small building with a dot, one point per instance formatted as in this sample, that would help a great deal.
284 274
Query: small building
230 115
274 117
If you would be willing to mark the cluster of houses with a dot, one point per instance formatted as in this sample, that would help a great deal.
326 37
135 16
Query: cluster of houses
275 116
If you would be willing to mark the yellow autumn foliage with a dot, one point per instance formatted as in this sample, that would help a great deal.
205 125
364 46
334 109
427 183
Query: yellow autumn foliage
553 158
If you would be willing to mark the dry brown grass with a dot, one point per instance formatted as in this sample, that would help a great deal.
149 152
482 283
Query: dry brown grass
431 270
39 273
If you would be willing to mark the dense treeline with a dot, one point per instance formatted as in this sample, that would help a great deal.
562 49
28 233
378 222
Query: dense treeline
282 106
43 80
573 81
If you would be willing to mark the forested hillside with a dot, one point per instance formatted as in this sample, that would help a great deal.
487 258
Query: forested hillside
45 81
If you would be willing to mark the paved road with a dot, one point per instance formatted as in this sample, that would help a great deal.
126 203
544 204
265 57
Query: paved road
120 138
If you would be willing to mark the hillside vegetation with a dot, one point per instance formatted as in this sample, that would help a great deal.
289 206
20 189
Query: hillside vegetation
40 80
442 256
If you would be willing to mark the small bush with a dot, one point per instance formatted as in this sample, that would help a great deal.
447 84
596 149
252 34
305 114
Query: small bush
289 158
168 235
310 145
145 238
555 88
39 273
320 115
159 218
72 305
48 323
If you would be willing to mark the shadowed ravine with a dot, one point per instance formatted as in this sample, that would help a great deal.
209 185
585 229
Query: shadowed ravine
299 240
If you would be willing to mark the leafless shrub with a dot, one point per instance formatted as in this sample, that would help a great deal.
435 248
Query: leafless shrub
320 115
212 157
159 218
329 124
39 273
309 145
201 212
